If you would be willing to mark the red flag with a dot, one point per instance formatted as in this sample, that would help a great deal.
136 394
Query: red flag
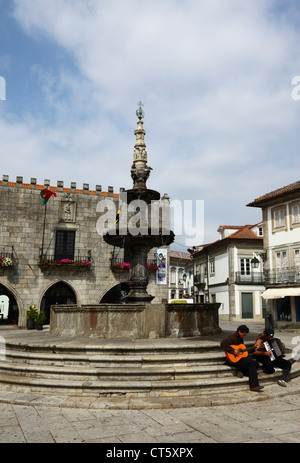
46 195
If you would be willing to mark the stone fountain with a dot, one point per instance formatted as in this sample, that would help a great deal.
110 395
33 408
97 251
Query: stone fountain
139 317
147 236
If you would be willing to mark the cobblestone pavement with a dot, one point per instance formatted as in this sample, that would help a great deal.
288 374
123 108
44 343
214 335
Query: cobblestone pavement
270 421
45 420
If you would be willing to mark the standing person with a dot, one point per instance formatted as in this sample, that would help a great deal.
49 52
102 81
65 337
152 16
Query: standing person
246 365
263 356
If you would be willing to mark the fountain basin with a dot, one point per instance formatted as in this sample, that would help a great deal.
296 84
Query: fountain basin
135 321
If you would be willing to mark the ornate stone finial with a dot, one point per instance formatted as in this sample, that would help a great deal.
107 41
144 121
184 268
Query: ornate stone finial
139 112
139 170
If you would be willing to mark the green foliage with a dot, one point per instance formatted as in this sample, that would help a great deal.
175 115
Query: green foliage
40 318
31 313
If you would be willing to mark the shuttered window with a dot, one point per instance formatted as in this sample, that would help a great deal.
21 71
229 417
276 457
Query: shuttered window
64 244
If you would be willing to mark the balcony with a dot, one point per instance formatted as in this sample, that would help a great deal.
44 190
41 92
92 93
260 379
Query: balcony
79 260
6 259
254 278
200 281
286 276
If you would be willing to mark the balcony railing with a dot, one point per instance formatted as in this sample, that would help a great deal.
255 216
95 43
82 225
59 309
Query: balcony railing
199 279
120 264
79 260
6 259
253 278
289 275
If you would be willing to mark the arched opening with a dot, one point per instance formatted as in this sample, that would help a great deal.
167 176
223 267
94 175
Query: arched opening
9 311
115 294
59 293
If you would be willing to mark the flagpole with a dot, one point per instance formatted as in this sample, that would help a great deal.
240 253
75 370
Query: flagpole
42 250
45 195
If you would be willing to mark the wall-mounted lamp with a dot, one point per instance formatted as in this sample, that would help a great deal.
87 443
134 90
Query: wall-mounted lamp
254 262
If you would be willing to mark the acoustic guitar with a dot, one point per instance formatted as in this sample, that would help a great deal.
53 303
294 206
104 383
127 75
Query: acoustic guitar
243 352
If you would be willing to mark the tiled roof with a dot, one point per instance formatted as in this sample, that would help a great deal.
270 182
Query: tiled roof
180 255
230 226
292 188
244 233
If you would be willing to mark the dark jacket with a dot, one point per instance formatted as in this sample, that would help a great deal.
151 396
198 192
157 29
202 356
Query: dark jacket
234 339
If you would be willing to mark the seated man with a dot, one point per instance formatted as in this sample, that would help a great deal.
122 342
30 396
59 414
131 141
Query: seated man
246 365
263 356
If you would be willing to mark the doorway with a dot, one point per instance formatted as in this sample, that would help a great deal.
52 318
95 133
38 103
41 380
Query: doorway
115 294
247 305
59 293
9 312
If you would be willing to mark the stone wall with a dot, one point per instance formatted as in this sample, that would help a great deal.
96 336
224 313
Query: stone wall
21 233
134 321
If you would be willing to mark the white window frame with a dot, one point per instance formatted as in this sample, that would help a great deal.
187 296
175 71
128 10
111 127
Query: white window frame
279 218
245 266
296 214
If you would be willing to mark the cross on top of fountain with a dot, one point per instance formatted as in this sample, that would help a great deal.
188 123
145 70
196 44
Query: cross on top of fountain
139 112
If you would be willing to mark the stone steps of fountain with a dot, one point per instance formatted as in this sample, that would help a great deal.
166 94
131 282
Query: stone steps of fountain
130 388
133 373
183 363
179 372
117 347
116 360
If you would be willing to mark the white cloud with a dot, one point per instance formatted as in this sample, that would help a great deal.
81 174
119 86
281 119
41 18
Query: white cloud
215 77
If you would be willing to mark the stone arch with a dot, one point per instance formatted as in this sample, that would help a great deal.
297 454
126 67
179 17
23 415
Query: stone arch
58 292
114 294
14 305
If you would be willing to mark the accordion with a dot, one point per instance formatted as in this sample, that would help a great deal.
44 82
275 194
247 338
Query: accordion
275 347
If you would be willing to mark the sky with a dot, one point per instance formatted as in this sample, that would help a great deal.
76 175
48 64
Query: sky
218 80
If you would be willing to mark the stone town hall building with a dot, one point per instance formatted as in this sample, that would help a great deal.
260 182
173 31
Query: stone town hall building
59 257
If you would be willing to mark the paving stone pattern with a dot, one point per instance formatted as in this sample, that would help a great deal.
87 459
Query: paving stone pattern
269 421
273 417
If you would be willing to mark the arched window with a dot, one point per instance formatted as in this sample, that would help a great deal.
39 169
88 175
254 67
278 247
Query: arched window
173 275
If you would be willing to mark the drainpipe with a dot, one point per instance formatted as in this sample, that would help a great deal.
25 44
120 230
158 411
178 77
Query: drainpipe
207 276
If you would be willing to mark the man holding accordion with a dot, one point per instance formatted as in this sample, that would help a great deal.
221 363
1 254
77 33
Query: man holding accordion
270 353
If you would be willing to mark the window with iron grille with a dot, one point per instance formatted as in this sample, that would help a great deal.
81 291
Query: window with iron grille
127 254
64 244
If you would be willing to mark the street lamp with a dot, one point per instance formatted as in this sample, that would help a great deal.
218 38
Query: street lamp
254 262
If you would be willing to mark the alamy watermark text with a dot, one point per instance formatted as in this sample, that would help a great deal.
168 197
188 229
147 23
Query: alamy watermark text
184 218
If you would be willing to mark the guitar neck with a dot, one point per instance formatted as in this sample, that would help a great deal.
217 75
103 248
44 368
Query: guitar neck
249 349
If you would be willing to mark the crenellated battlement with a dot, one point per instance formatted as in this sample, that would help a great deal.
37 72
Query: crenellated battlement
33 185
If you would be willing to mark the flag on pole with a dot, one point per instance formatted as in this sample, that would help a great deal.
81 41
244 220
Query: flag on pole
117 216
46 195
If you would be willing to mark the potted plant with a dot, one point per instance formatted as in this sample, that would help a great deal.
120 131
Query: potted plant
5 262
30 317
39 320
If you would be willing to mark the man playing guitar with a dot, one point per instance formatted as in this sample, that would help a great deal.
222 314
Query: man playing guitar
237 356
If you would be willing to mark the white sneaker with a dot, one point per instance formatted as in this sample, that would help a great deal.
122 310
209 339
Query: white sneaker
282 383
